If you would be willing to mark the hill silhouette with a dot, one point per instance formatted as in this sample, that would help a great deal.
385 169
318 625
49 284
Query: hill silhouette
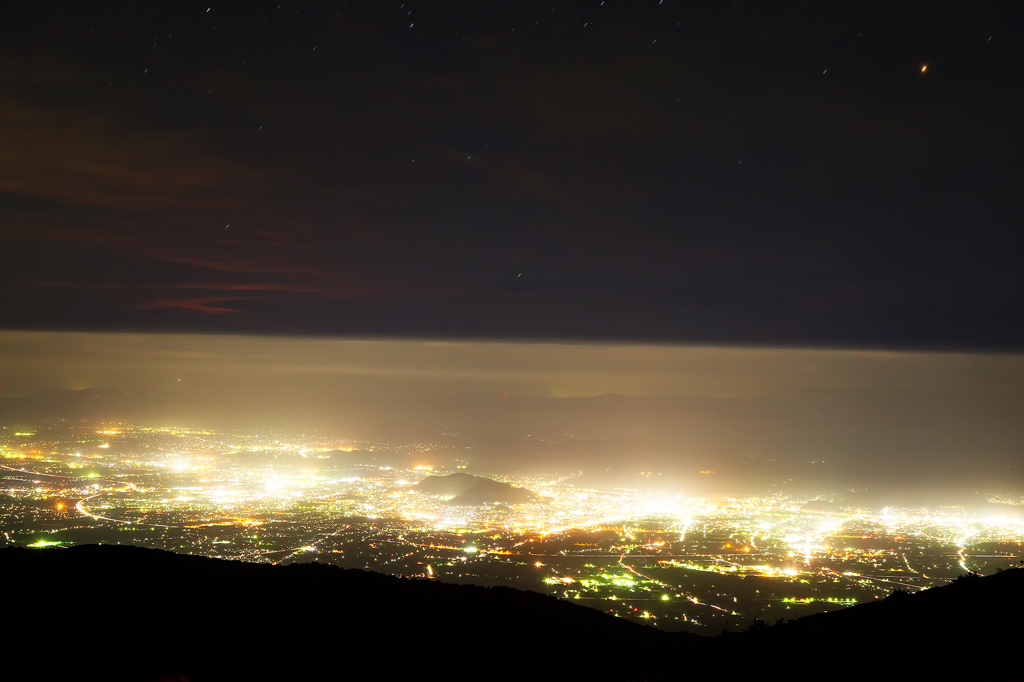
121 612
128 613
466 489
927 631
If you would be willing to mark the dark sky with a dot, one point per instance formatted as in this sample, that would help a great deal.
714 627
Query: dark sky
714 172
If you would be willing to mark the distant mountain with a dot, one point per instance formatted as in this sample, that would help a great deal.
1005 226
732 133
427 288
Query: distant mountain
127 613
90 403
466 489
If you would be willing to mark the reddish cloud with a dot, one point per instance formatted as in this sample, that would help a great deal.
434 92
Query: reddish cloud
202 304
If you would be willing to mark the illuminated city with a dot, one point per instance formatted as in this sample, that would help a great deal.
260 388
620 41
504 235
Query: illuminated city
677 562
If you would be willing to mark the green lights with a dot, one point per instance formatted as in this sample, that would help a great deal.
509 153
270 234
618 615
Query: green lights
46 543
604 580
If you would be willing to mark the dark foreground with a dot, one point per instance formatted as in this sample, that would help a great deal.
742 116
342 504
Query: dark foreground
126 613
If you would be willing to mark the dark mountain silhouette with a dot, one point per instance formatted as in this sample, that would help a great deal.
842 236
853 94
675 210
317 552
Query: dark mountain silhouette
913 635
466 489
127 613
120 612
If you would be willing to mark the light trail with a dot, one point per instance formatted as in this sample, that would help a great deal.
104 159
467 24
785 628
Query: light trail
667 586
39 473
478 551
882 580
81 508
638 573
963 559
312 545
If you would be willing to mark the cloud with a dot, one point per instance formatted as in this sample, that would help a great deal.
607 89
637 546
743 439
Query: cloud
201 304
97 157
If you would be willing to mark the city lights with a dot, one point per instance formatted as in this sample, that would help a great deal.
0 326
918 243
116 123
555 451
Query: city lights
678 561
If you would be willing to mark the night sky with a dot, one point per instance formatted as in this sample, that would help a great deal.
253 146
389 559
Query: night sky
756 173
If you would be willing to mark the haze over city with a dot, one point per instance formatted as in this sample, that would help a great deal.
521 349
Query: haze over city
908 421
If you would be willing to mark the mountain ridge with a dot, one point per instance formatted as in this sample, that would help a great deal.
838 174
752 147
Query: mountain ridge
129 613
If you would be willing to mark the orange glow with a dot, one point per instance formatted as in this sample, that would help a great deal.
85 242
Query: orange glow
924 68
233 521
60 506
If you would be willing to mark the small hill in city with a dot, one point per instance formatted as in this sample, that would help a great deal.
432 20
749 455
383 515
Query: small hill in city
466 489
